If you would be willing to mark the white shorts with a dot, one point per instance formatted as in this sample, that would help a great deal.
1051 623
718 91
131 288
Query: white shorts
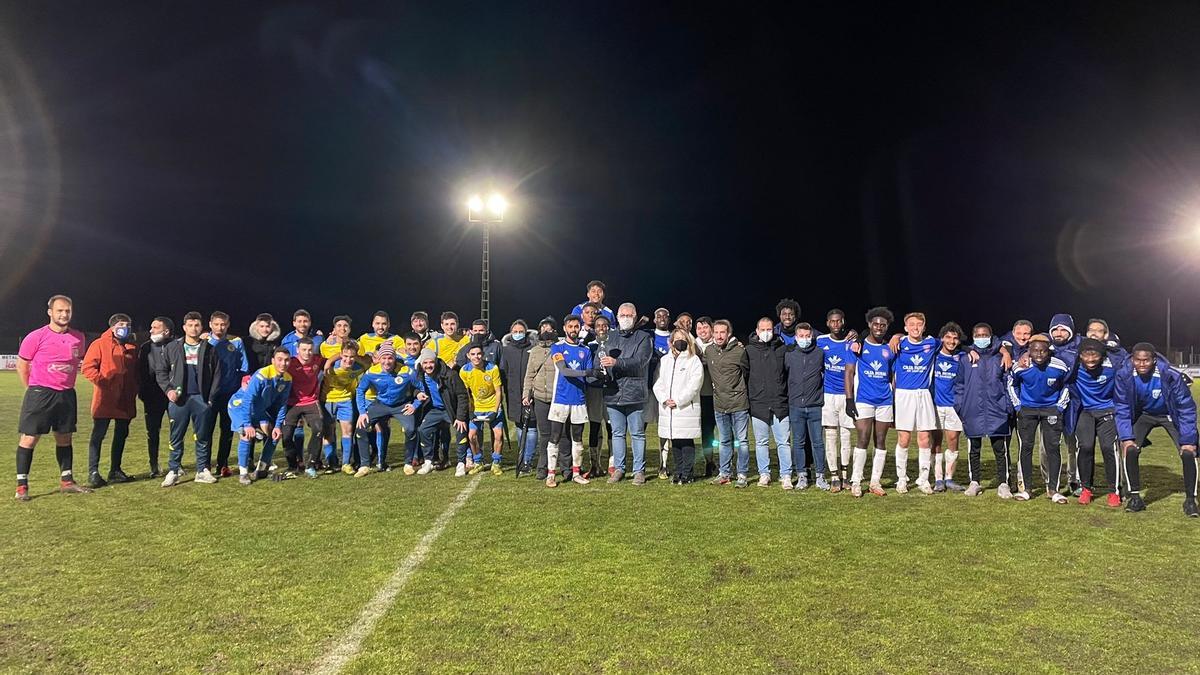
881 413
947 419
833 413
561 412
915 411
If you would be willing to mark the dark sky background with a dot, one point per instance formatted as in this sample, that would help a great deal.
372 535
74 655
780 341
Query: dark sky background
977 162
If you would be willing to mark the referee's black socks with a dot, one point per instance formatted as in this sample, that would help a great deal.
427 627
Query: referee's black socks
65 454
24 462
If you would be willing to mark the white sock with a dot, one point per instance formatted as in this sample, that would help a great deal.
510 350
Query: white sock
242 471
831 451
664 459
845 436
877 465
937 466
951 458
576 454
901 464
924 458
551 457
860 463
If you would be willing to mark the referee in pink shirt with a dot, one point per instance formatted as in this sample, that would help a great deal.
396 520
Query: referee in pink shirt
49 360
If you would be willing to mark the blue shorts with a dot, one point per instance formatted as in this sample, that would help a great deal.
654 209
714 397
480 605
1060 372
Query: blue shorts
479 420
342 411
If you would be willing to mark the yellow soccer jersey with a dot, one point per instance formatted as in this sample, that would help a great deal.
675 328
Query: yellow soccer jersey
369 342
447 349
331 351
340 384
484 386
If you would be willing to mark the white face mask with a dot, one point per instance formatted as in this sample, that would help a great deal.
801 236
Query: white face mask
765 335
625 322
157 337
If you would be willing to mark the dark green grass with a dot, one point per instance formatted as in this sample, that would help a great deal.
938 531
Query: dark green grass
587 578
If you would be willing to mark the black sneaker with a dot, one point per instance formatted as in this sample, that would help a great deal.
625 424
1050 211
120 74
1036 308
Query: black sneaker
541 474
710 468
1135 504
1189 508
118 476
95 481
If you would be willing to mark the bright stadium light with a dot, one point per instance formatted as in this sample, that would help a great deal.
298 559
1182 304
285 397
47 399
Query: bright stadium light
497 204
474 206
489 212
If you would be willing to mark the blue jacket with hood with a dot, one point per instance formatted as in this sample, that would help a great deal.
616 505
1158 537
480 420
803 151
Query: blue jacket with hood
1069 350
1180 404
981 393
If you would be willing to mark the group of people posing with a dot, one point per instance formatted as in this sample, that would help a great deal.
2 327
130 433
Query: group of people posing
826 399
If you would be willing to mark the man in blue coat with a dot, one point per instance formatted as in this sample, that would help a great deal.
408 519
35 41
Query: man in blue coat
1151 395
982 403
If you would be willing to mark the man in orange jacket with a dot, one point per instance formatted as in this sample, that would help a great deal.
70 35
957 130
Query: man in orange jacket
111 365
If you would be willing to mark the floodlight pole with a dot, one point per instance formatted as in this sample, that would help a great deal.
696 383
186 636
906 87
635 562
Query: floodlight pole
485 286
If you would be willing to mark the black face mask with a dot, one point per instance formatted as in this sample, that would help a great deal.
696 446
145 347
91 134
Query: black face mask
547 336
680 345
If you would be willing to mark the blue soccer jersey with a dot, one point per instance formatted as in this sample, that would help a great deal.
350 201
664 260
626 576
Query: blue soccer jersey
873 371
837 353
1095 390
1150 394
945 369
914 365
569 390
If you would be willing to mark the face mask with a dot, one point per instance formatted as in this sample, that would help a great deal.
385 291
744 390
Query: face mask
157 337
546 336
804 343
983 343
518 337
625 322
765 335
121 333
680 345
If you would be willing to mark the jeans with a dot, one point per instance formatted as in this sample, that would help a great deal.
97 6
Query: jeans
732 427
806 424
628 419
189 409
762 448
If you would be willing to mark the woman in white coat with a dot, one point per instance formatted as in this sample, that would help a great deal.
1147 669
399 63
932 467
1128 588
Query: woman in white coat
677 388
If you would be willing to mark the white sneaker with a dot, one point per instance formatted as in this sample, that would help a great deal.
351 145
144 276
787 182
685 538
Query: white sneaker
171 479
973 489
1004 491
1058 498
787 482
1021 496
925 487
578 478
902 487
206 477
425 468
460 470
764 480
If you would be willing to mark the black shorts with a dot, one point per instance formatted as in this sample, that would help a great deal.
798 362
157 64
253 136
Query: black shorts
44 410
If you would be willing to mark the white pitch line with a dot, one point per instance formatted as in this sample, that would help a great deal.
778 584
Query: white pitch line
350 646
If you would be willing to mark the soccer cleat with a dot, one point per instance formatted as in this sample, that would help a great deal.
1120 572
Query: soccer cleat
901 488
22 493
639 478
1085 497
460 470
951 486
205 477
1004 491
835 486
71 487
551 480
616 476
362 471
821 483
311 472
425 468
786 482
225 472
939 486
496 470
925 487
244 479
856 490
1021 496
409 470
95 481
764 479
476 468
171 478
1135 503
578 479
878 491
741 481
348 470
1058 498
1113 500
1189 507
119 476
973 489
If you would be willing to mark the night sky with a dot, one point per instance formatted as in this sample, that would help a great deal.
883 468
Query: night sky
978 163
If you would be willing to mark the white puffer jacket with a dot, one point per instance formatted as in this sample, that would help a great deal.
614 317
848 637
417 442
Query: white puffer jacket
679 378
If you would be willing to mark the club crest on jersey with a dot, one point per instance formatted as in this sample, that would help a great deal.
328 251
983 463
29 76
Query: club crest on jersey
279 388
886 354
1050 381
1053 419
399 379
1156 393
1102 379
229 347
235 402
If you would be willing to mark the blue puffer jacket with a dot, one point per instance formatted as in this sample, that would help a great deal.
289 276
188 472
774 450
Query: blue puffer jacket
1068 351
981 395
1180 404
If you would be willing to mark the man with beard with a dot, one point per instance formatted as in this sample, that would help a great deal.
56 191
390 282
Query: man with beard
708 418
302 323
536 388
480 336
452 340
1064 344
514 361
568 405
788 311
235 364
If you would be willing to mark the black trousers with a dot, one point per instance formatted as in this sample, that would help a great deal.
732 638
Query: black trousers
541 414
99 430
153 412
311 416
224 428
1141 431
685 457
975 462
708 426
1049 420
1093 425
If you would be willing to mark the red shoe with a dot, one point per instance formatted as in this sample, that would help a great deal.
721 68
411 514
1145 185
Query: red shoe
71 487
22 493
225 472
1114 500
1085 497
